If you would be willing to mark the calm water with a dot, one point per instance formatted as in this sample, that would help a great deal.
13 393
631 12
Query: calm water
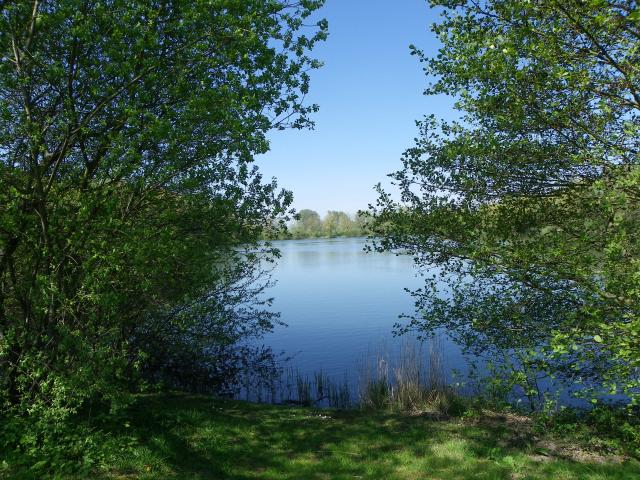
340 305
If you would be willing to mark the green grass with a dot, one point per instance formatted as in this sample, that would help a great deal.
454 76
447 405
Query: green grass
193 437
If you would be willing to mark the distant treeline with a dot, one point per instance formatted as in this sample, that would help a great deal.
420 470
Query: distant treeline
309 224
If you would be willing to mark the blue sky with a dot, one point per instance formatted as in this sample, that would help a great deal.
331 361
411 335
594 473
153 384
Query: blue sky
370 95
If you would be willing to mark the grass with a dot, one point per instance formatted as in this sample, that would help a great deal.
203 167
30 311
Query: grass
408 382
177 436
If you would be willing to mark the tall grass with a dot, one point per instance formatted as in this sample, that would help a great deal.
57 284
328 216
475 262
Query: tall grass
293 388
412 379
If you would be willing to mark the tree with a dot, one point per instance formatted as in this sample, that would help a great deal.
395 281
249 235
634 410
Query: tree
307 225
336 223
529 207
127 132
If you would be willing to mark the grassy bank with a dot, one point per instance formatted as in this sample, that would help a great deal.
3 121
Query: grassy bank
180 436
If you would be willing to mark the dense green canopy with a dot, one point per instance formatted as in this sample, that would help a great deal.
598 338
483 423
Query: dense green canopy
529 205
308 224
127 132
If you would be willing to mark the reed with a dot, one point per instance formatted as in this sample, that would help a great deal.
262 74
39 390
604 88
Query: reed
411 380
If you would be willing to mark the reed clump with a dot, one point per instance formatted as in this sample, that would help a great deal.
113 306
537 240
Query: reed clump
413 381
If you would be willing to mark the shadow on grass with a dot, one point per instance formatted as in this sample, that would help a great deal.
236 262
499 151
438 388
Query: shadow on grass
179 436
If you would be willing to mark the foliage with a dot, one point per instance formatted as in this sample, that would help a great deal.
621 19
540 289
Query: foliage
605 426
529 205
204 346
308 224
127 132
180 436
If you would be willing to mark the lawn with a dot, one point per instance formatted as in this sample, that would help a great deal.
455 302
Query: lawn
195 437
190 437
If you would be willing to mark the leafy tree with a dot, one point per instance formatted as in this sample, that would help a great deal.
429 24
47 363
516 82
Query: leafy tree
529 205
308 224
360 222
127 132
336 223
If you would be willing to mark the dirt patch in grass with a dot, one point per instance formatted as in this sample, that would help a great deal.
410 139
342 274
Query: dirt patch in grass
516 431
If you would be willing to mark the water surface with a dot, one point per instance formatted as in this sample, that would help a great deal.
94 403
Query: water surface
340 304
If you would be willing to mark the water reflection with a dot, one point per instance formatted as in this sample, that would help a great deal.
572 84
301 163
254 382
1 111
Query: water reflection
340 302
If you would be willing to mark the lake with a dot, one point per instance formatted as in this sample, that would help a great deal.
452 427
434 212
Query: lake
340 304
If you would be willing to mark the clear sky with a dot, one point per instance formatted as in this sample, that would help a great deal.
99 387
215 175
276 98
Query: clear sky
370 95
